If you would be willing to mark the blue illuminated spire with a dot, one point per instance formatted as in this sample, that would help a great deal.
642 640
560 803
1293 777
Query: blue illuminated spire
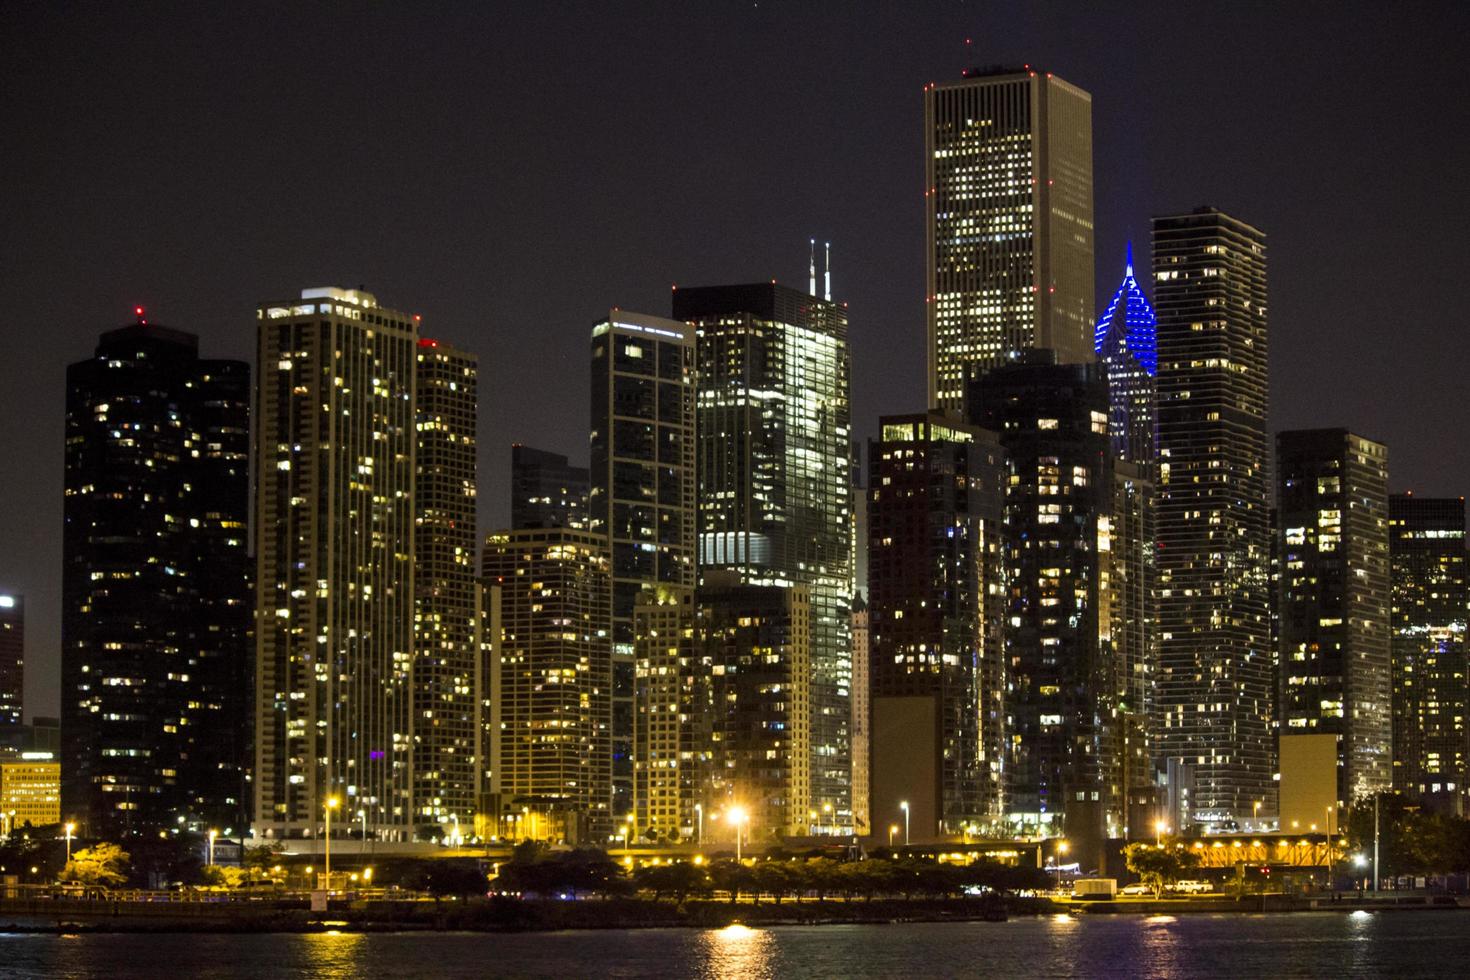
1129 325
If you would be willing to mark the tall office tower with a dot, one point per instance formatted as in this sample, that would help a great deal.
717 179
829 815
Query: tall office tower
1335 676
673 718
546 490
1214 683
862 746
753 643
1431 662
334 525
774 481
12 659
155 583
447 653
1008 217
552 681
1064 733
1129 619
641 497
936 602
1126 345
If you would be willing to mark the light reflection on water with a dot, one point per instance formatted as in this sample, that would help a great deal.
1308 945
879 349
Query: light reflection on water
736 952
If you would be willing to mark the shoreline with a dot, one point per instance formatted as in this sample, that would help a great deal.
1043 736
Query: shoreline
514 915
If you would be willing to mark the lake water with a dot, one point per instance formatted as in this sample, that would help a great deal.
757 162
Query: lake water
1329 944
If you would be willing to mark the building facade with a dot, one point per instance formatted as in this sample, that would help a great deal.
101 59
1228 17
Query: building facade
1126 345
447 655
1008 220
335 474
862 707
30 790
546 490
155 585
1431 663
642 490
774 423
937 550
1064 727
673 717
1216 661
12 659
551 678
1335 676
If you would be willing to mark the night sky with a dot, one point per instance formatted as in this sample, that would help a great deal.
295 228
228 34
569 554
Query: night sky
510 173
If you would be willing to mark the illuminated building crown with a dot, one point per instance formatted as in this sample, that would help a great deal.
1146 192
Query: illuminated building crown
1129 325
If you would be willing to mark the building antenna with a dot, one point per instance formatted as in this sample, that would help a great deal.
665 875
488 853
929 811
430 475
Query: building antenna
828 274
811 270
1129 273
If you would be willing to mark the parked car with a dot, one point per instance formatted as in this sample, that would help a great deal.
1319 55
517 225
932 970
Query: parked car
1137 888
1193 887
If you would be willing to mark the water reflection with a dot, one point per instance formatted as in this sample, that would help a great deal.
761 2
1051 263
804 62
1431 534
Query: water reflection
335 954
738 951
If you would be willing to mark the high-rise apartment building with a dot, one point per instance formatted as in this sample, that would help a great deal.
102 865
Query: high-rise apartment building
936 581
1008 218
672 717
642 490
155 584
551 675
1064 730
862 706
336 442
1126 345
446 659
546 490
752 646
1214 681
1431 662
1129 619
12 659
774 423
1334 673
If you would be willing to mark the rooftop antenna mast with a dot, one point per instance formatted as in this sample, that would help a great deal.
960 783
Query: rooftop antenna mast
827 275
811 270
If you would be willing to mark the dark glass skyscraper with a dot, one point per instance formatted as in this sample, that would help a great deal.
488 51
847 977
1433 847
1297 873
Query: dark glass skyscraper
155 582
1431 663
1062 670
1008 221
446 663
546 490
12 659
937 550
1216 660
642 488
775 495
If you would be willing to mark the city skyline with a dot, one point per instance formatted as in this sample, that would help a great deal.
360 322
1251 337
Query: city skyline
1141 168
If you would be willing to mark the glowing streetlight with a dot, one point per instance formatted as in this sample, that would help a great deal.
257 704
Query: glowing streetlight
70 828
1160 829
738 817
892 832
332 804
212 835
699 833
904 806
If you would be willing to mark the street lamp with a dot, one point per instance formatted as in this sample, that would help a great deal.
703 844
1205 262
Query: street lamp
1056 861
332 804
699 814
904 806
738 816
827 817
212 835
70 827
892 830
1160 829
1256 813
362 844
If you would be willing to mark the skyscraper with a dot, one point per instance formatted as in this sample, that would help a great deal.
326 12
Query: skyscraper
447 652
862 746
334 522
1431 663
546 490
1126 345
673 717
937 605
12 659
155 584
1332 500
1214 687
1065 734
774 422
642 479
1008 218
552 683
1129 612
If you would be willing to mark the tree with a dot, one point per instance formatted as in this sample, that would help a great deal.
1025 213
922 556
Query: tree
100 864
454 878
1160 865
